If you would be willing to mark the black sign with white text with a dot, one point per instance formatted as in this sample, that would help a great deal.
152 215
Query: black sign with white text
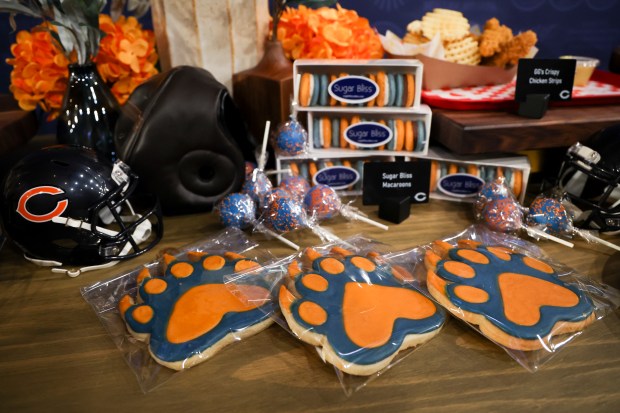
553 77
396 180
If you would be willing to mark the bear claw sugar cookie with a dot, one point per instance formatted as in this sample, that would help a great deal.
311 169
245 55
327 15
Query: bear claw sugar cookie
189 314
356 310
515 300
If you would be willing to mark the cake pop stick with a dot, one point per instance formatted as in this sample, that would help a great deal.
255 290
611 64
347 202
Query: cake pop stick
551 215
323 201
278 171
262 160
238 210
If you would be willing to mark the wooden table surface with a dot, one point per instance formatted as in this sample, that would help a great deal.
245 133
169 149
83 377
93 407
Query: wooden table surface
56 356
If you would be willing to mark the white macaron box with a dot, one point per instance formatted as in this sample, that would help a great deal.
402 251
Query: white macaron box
380 83
459 178
344 174
371 131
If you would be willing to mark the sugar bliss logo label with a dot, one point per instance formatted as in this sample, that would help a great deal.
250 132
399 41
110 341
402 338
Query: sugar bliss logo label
338 177
368 134
353 89
460 185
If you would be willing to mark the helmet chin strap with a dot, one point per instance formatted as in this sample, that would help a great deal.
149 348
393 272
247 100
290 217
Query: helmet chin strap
140 234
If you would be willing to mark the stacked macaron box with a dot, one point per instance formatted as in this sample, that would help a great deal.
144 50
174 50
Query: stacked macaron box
357 111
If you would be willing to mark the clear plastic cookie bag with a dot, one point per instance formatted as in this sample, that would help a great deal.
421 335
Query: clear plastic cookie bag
351 307
508 290
144 312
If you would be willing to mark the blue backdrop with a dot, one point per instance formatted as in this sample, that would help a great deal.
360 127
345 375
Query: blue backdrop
577 27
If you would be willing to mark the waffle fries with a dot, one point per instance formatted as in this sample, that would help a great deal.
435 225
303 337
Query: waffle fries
464 51
496 46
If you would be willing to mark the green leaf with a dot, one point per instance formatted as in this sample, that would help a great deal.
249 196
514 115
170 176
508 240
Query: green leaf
10 6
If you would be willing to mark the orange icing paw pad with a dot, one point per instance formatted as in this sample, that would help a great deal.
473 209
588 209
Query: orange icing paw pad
189 313
358 311
517 301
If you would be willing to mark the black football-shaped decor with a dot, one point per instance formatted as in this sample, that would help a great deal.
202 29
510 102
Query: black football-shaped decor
182 133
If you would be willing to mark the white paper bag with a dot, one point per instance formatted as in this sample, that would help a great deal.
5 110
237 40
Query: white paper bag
221 36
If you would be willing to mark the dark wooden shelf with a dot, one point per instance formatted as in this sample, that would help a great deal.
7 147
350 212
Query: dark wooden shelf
475 132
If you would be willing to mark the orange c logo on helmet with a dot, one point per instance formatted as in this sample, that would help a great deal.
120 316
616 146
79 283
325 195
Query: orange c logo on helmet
48 190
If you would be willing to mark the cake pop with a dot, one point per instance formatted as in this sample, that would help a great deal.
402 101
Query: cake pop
490 191
290 138
286 214
323 202
257 185
502 215
499 210
296 185
237 210
550 215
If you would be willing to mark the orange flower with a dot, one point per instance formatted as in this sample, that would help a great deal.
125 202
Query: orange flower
39 75
127 55
327 33
126 58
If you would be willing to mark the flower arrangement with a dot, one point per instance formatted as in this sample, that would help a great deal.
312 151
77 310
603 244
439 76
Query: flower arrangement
126 57
326 33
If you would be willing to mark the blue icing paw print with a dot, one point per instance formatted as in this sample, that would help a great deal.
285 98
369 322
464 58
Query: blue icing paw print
189 314
516 300
357 310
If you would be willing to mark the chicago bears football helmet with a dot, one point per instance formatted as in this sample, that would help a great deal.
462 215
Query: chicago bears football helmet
590 176
68 206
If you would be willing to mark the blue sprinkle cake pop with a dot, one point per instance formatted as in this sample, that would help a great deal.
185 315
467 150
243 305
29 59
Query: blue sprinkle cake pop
290 138
237 210
491 191
549 213
322 201
273 195
285 214
256 185
296 185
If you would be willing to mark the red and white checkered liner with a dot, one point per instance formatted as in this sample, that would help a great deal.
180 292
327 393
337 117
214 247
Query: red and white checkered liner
498 96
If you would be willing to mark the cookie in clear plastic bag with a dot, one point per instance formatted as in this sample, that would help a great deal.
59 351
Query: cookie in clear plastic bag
356 309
